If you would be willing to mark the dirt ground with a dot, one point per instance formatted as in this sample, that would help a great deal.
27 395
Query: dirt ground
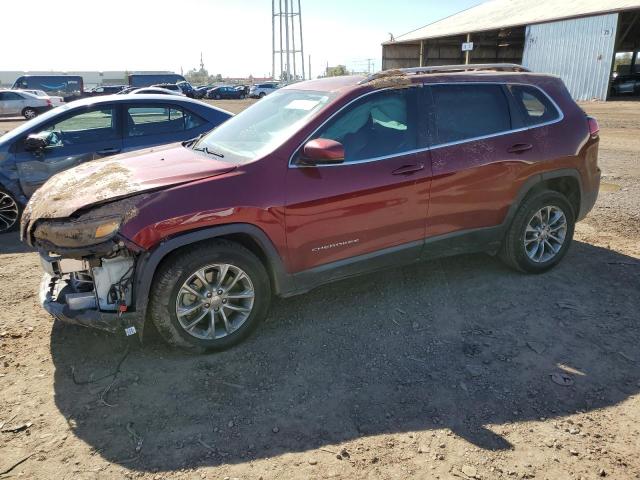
442 370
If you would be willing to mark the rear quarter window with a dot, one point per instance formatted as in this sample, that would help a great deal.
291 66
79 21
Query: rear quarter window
534 105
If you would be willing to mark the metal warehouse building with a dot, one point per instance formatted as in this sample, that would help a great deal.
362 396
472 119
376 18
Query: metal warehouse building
575 39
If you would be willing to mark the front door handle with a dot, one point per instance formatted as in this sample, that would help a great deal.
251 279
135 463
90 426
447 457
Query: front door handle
520 148
108 151
408 169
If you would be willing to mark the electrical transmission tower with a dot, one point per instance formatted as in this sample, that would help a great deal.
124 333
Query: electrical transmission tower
287 58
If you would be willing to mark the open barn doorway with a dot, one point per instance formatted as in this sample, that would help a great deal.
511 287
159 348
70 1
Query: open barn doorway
505 45
625 77
495 46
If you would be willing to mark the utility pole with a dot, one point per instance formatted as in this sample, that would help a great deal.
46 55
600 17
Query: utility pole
280 16
293 43
302 44
286 38
309 67
273 38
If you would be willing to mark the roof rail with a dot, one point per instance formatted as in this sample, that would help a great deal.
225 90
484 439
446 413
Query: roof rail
471 67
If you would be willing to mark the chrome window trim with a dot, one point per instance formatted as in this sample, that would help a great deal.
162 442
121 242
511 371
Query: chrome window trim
431 147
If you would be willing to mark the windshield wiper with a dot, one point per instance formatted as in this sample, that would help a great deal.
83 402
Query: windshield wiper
208 152
193 141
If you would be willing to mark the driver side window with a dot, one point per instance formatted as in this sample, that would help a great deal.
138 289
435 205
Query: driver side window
86 127
377 125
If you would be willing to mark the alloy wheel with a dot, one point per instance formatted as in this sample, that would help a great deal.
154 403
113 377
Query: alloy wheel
215 301
9 212
29 113
545 234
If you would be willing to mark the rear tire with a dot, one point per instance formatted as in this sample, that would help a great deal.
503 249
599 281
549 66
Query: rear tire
187 287
29 113
10 211
262 94
540 233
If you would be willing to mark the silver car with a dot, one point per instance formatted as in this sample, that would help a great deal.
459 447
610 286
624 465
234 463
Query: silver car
55 100
262 89
14 103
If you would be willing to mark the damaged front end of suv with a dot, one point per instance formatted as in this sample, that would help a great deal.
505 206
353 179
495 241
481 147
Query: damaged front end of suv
89 267
76 222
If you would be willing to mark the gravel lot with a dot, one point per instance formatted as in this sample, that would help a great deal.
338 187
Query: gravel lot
442 370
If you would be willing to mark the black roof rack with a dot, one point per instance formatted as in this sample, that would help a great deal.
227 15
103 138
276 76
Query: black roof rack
471 67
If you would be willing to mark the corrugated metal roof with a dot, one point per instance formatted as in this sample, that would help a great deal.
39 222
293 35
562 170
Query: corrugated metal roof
496 14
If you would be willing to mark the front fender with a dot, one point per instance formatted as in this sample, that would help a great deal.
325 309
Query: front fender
148 263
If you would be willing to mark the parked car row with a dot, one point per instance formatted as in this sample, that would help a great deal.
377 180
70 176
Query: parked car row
218 92
32 102
313 184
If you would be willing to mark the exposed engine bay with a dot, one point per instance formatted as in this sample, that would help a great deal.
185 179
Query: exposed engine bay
104 284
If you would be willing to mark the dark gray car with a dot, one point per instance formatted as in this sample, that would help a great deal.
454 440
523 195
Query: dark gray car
89 129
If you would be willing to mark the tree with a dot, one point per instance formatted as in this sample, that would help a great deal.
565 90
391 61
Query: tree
337 71
622 63
197 77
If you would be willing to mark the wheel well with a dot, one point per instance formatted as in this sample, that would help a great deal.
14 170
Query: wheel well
567 186
244 239
248 242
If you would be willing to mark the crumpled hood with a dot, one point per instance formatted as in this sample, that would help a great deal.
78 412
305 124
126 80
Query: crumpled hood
117 177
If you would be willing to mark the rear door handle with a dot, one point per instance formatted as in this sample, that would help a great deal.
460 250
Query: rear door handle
108 151
520 148
408 169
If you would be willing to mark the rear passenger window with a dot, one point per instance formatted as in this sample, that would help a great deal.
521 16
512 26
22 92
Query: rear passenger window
535 106
151 120
464 112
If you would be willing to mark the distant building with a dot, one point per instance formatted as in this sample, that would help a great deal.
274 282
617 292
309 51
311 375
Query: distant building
577 40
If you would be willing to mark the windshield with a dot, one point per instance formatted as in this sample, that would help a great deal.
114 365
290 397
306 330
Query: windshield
264 126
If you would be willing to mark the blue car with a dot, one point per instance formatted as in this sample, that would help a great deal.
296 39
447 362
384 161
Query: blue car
89 129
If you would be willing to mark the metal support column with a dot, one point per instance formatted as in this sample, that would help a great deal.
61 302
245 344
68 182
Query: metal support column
467 53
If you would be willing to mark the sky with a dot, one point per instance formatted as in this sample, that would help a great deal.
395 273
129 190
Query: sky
234 36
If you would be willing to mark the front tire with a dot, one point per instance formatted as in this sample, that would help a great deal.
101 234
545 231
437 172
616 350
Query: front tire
9 212
29 113
540 234
209 297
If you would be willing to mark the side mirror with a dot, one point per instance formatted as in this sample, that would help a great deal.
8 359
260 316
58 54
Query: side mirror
36 142
322 151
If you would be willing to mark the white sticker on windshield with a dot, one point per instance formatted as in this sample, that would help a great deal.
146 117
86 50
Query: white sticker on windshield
302 104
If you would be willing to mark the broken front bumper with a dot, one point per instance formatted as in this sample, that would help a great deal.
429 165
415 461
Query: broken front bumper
54 301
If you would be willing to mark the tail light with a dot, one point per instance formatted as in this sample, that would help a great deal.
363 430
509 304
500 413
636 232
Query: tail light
49 103
594 128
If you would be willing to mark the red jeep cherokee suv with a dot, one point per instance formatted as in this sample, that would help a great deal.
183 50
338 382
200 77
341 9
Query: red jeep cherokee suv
319 181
